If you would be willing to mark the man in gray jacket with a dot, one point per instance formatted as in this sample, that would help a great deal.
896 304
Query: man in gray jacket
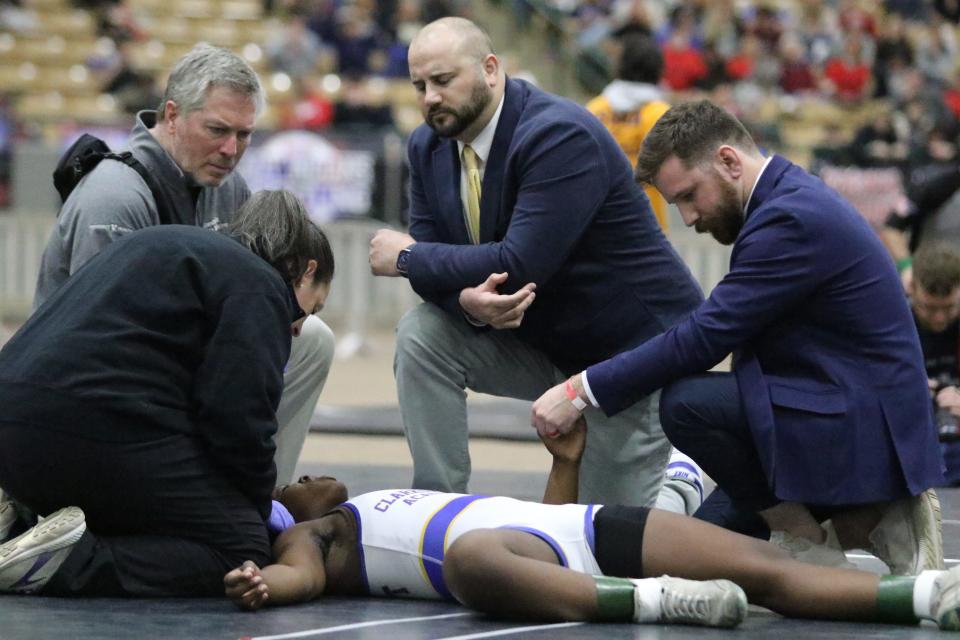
191 147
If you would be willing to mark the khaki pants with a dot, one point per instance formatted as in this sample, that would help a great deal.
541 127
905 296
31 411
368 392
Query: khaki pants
439 356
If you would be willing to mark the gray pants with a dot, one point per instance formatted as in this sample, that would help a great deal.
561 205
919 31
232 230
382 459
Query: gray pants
439 356
311 354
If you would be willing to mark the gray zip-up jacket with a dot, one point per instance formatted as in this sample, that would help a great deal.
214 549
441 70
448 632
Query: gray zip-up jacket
113 200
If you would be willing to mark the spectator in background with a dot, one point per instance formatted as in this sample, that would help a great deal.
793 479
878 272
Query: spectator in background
932 212
631 17
684 19
16 18
853 18
848 77
683 64
936 54
357 108
406 23
117 21
918 105
880 144
310 109
894 52
322 18
357 40
630 105
740 65
715 77
133 89
293 48
753 70
796 74
592 22
432 10
935 300
948 9
766 26
951 94
818 31
907 9
384 13
722 27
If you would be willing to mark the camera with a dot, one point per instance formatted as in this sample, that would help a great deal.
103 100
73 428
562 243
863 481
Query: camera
948 425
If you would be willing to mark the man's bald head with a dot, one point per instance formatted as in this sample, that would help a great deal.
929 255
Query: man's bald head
455 34
458 78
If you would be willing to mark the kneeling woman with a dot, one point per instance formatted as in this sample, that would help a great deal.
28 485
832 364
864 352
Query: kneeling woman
142 396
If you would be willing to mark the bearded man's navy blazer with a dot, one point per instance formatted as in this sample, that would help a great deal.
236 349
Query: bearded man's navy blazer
826 353
559 208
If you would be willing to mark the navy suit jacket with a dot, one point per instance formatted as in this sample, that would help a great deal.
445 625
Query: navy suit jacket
559 208
826 354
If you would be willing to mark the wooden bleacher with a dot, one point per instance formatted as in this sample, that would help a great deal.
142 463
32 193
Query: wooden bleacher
46 70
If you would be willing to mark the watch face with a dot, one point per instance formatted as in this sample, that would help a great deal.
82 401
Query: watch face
402 260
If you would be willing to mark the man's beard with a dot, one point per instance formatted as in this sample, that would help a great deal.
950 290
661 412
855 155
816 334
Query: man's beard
480 97
727 220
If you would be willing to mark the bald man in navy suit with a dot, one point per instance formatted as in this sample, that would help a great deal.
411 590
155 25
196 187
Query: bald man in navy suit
562 265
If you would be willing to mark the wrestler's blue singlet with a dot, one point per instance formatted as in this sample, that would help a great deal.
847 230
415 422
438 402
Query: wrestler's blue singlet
404 534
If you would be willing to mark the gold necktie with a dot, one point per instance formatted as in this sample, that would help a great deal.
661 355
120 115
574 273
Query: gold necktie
470 162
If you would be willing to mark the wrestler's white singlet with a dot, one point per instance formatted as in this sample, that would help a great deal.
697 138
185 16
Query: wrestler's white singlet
404 534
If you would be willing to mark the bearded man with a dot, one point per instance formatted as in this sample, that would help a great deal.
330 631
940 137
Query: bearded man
826 415
536 254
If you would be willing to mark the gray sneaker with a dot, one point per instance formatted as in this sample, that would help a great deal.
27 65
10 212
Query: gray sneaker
709 603
828 554
908 538
29 561
945 602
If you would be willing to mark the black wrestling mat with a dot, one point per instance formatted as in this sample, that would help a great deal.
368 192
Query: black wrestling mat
34 618
503 418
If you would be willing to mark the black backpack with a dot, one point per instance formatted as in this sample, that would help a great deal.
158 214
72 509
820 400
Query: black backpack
85 154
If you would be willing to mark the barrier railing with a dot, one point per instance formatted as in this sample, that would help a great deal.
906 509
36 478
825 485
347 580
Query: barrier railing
358 301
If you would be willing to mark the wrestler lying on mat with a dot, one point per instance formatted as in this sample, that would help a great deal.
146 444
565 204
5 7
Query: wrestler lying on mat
558 561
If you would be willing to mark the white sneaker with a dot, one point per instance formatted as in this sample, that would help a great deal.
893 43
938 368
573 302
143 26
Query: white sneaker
945 601
708 603
29 561
909 538
685 477
828 554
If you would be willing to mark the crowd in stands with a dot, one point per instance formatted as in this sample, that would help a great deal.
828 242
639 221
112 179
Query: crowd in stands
885 77
350 41
895 60
842 52
846 52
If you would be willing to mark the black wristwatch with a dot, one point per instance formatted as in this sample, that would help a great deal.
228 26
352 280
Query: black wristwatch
402 259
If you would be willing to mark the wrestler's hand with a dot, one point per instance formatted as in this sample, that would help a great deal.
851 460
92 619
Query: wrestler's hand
569 446
245 586
485 305
385 246
553 413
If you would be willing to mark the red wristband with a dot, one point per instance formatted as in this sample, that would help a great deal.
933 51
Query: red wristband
572 396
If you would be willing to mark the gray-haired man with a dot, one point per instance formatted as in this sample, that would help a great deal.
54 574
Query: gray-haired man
191 145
